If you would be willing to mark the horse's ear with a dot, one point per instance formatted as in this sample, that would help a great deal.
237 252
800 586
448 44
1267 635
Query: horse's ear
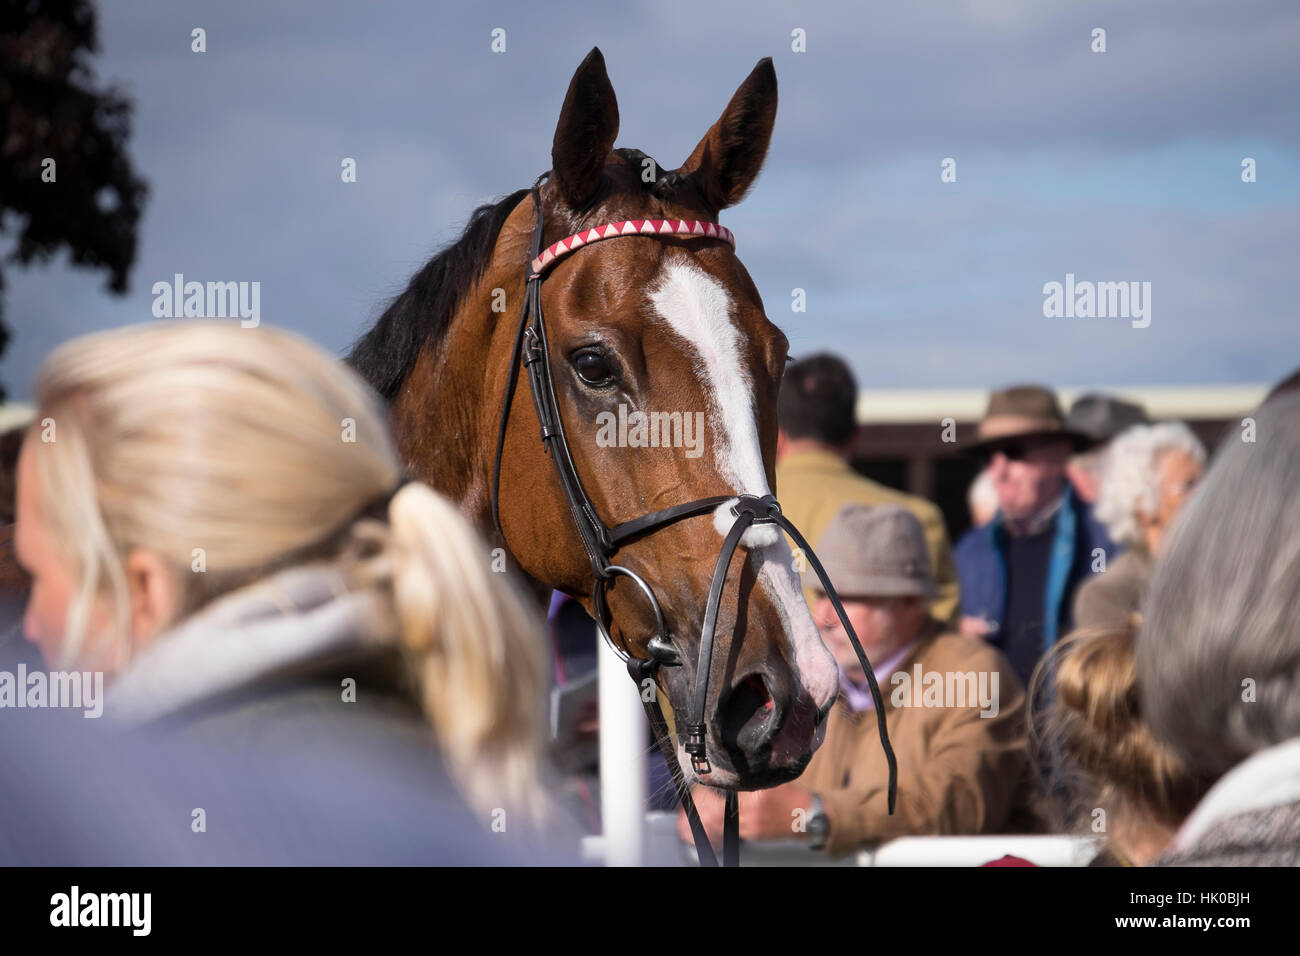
728 159
586 131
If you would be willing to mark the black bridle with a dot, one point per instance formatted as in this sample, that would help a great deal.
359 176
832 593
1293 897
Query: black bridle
601 542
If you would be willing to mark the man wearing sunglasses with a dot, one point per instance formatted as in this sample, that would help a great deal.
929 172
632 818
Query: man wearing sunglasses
1020 572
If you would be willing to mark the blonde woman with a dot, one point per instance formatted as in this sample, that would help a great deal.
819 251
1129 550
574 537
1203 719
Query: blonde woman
214 517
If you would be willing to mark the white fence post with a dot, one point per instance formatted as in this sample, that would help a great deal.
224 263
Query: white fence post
623 774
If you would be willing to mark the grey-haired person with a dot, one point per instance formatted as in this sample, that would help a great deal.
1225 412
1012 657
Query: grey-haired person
1220 640
1151 472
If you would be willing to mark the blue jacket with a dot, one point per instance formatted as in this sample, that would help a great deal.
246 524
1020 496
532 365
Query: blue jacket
982 570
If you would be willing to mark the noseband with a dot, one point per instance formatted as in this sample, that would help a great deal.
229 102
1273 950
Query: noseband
601 542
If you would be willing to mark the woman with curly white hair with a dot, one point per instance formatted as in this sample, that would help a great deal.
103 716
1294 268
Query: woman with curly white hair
1150 471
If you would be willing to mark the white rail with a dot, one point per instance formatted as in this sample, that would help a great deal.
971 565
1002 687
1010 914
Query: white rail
623 771
632 837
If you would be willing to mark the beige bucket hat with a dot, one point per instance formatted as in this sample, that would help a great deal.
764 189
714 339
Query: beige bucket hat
874 551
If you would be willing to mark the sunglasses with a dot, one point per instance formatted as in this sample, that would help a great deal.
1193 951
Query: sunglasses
1013 451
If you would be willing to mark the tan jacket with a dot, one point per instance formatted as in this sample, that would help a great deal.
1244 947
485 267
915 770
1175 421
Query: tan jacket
813 486
958 773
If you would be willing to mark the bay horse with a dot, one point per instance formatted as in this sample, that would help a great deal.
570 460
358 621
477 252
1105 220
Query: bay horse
657 323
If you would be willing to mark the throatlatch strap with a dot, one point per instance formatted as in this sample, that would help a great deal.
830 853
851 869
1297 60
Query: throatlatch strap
594 534
512 378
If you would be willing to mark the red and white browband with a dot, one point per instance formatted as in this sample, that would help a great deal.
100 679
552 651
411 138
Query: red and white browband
631 227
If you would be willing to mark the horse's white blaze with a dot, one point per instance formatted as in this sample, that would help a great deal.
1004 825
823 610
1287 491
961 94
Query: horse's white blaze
697 307
817 668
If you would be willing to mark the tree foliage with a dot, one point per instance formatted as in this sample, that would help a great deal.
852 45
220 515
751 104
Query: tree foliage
89 199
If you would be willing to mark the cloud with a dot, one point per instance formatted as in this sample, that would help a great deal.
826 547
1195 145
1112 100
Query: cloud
1123 165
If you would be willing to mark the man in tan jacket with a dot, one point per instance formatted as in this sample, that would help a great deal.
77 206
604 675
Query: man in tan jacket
817 422
954 709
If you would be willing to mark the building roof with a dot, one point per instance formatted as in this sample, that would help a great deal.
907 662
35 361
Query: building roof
1185 402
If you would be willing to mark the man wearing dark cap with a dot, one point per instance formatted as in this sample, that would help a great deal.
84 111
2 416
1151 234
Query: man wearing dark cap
953 707
1019 573
1101 418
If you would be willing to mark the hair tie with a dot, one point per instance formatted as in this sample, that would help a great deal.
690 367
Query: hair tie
377 508
382 504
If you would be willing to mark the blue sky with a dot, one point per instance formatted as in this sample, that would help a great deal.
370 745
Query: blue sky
1114 166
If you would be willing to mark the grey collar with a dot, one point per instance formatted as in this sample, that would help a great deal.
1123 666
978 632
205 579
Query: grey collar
1268 778
293 616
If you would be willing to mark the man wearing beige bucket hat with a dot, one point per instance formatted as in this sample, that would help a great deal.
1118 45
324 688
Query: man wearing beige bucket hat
953 707
1019 573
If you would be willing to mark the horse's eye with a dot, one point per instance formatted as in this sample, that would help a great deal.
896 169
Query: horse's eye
593 367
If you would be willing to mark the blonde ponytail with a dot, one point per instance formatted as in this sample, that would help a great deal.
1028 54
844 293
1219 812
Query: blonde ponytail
477 647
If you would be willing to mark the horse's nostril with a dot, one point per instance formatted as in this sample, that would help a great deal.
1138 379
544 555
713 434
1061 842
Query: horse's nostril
747 715
756 685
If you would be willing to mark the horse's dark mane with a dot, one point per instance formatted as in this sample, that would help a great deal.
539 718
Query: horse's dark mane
421 314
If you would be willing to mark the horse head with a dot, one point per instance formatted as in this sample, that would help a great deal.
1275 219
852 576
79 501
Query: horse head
666 371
